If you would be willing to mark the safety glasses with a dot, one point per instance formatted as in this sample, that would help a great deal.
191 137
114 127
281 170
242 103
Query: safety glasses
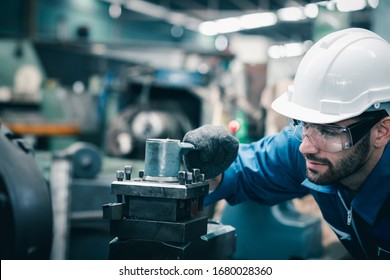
333 138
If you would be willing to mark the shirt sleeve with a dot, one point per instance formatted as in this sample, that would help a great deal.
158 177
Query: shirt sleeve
268 171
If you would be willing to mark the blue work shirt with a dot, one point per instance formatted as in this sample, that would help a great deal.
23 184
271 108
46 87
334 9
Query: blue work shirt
272 170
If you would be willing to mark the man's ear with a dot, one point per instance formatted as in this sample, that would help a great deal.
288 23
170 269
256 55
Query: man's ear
382 132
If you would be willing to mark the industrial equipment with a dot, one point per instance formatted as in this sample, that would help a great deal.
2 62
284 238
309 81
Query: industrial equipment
153 216
277 232
25 203
128 132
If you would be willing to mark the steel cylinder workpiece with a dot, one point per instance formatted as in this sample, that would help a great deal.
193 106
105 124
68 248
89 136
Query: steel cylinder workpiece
163 157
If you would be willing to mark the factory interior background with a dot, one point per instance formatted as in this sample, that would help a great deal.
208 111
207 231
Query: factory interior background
84 84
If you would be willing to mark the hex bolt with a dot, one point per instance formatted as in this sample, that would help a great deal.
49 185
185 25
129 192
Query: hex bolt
188 178
195 173
120 175
181 176
201 177
128 171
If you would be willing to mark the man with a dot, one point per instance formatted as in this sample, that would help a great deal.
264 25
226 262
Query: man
335 147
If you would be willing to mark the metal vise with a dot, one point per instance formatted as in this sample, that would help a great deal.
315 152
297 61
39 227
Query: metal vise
152 218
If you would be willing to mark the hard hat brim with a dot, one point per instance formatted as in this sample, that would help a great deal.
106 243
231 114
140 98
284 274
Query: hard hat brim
284 106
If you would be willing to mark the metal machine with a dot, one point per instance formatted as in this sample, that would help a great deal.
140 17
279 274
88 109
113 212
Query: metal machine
25 203
153 216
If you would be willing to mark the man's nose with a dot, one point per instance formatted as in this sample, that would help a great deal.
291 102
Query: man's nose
307 146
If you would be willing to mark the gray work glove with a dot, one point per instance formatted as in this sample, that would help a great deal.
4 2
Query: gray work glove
215 150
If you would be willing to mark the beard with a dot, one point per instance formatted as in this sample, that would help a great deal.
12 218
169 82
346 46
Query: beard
341 169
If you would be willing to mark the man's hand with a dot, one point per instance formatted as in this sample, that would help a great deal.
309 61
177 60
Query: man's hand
215 150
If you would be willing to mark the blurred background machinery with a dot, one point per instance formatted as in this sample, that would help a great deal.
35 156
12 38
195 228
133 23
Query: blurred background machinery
279 232
153 107
26 215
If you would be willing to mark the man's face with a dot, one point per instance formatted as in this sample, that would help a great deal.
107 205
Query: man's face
324 168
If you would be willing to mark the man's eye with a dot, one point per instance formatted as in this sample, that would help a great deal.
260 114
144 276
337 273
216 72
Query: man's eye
328 132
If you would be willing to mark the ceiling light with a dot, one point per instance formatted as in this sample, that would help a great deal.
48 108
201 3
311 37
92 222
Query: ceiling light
288 50
208 28
291 14
294 49
373 3
311 10
350 5
228 25
257 20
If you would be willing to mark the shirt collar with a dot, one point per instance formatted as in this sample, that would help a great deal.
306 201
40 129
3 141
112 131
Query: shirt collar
329 189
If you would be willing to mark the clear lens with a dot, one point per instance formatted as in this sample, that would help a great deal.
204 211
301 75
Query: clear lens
330 138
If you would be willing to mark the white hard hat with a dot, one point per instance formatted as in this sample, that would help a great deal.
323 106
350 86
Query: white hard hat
343 75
